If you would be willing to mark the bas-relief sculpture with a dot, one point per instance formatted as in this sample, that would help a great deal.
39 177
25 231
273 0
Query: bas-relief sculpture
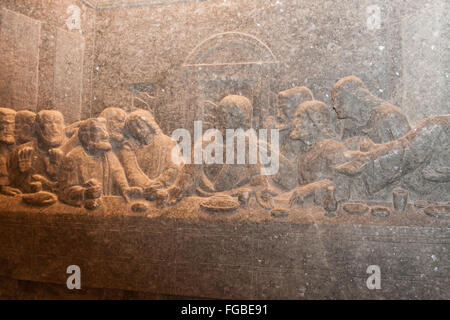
290 149
376 156
91 170
417 161
7 141
365 115
233 112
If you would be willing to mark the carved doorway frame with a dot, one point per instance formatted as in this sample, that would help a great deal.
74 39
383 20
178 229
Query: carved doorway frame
251 77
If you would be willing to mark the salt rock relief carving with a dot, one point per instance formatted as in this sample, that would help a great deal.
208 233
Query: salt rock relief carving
211 52
24 126
365 115
240 180
147 156
35 164
92 170
377 157
232 63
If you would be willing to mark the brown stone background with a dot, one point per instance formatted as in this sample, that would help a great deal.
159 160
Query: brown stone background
316 42
183 252
65 57
142 42
131 48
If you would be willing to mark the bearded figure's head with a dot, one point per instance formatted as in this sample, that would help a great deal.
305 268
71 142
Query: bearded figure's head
115 123
50 128
312 123
7 117
93 136
352 100
288 101
234 112
141 126
25 126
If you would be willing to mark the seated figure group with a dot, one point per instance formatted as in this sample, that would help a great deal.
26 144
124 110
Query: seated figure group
114 154
376 152
128 154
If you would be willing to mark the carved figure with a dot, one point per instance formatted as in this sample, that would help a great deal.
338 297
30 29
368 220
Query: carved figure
288 102
233 112
319 145
320 152
290 149
419 161
7 141
365 115
147 158
115 124
91 170
36 164
25 126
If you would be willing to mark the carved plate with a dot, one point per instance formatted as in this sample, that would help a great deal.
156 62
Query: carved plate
279 212
355 208
420 204
220 204
139 207
379 211
438 211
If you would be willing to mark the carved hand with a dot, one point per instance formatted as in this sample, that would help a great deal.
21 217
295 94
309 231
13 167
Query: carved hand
175 194
297 197
366 144
132 192
358 162
150 190
25 157
10 191
154 184
56 156
265 198
93 189
43 181
94 192
436 174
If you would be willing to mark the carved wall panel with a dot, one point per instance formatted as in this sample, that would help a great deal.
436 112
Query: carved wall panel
19 58
424 28
68 74
310 159
231 63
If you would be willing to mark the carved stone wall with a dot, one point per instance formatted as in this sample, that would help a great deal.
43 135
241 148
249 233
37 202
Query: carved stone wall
352 109
68 76
59 51
315 43
245 256
19 60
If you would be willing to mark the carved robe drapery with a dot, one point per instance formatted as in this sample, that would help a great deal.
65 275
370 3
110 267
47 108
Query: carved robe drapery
41 164
4 165
80 167
150 163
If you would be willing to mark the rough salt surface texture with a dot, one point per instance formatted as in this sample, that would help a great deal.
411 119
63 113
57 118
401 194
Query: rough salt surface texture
358 91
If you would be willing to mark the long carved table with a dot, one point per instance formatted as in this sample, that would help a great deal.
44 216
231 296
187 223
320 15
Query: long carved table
183 251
